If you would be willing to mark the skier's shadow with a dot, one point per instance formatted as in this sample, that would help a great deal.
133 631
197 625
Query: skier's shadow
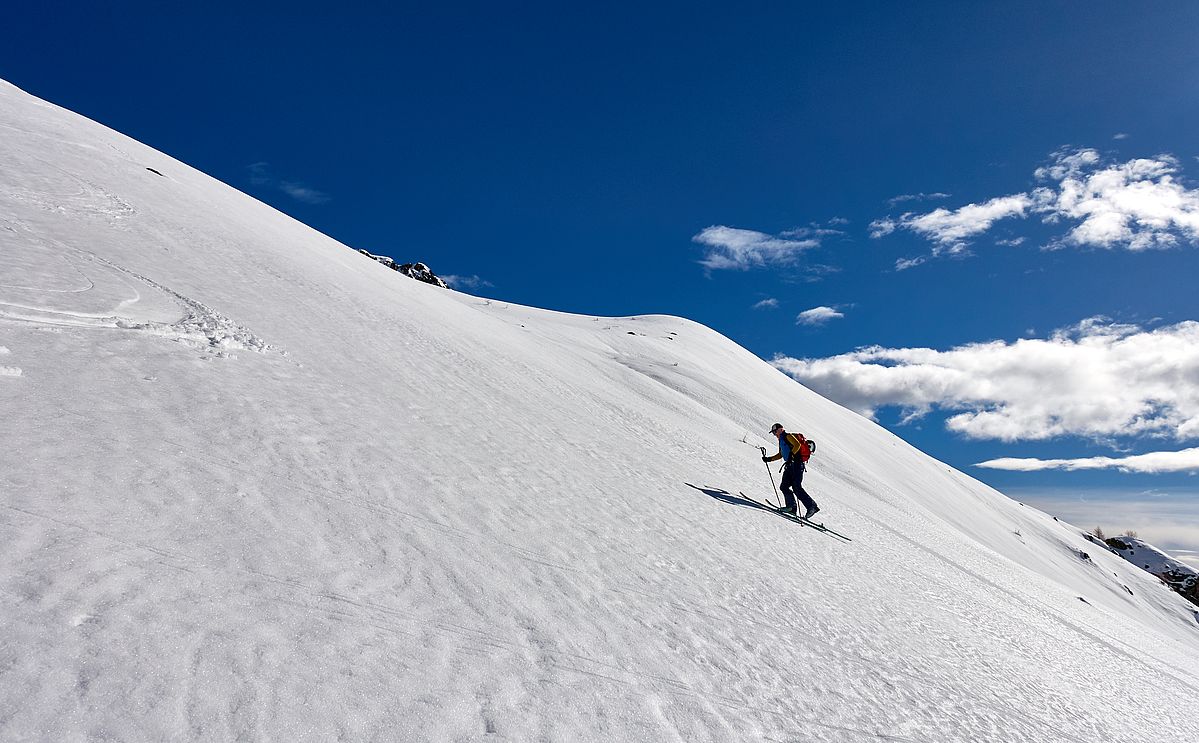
725 496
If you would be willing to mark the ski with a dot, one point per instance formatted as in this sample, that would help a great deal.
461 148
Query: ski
796 519
820 527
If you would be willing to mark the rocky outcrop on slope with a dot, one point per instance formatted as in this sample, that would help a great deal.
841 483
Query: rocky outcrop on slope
418 271
421 272
1179 576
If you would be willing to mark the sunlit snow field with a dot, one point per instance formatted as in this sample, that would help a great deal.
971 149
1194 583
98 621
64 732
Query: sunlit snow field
257 486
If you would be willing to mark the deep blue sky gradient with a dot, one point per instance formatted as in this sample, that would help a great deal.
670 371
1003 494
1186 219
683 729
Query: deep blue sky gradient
567 155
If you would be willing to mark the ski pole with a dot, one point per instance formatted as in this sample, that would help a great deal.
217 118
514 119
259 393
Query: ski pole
776 490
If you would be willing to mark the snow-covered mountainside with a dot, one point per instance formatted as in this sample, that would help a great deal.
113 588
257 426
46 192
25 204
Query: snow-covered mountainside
257 486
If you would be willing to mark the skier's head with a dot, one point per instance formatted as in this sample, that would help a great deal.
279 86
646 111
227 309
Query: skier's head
776 428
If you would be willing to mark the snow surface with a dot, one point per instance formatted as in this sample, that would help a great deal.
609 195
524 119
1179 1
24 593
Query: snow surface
256 486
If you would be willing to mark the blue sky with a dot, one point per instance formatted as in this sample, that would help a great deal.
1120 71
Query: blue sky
742 166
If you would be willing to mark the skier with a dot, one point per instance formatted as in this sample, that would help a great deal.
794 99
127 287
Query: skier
792 449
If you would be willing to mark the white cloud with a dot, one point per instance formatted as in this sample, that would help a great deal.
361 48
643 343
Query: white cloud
883 227
730 247
1097 380
1156 462
1067 162
260 175
815 230
767 304
949 229
817 316
1137 205
466 282
916 197
1120 135
904 264
300 192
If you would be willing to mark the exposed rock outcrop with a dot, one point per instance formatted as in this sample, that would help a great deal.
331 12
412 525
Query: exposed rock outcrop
1179 576
418 271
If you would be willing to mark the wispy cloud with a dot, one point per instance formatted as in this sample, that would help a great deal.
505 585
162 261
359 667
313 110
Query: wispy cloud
1120 135
1156 462
949 230
817 316
1097 380
1136 205
883 227
740 249
260 175
818 230
902 198
466 282
767 304
300 192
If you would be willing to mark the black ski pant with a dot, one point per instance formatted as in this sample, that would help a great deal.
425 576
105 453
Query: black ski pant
792 485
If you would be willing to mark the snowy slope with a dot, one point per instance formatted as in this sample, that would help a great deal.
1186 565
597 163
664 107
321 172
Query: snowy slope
257 486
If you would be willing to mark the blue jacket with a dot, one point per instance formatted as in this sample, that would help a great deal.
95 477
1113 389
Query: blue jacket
788 448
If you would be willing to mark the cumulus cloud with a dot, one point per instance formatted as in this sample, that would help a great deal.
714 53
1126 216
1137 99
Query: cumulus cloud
767 304
817 316
1156 462
1098 380
1136 205
733 248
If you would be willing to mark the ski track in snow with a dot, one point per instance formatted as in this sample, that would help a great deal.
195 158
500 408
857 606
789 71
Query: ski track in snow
446 518
106 295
